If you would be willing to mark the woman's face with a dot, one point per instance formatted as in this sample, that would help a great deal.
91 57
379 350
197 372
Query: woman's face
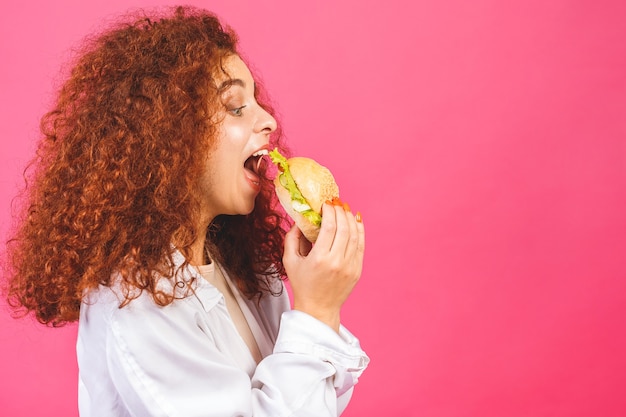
230 184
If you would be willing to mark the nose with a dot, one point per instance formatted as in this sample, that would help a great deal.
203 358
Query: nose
265 122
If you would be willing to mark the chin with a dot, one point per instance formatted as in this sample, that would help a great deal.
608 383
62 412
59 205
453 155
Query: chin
246 212
245 209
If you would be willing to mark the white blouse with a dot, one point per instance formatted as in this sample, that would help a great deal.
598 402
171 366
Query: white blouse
236 307
188 358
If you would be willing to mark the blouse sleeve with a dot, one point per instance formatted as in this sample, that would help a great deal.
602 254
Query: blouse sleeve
165 365
313 369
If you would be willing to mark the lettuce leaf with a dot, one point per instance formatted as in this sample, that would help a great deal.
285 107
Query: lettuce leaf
298 202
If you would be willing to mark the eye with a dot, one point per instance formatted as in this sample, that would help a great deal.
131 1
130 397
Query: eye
237 111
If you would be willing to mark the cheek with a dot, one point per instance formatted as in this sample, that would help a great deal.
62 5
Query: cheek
235 132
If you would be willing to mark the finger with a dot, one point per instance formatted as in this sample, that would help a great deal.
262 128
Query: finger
305 245
327 230
353 239
360 251
292 242
342 235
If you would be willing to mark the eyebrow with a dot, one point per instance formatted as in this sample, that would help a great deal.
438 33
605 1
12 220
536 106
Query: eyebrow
228 83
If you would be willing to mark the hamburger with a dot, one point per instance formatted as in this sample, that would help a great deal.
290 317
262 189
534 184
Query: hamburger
302 186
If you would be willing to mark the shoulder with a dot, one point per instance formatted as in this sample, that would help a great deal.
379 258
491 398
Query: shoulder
184 292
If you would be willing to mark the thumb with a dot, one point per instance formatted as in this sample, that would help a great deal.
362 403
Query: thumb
295 243
292 241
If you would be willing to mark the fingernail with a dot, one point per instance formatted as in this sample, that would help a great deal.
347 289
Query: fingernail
330 203
346 207
359 218
337 201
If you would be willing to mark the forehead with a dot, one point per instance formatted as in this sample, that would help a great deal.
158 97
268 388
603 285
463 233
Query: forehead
234 69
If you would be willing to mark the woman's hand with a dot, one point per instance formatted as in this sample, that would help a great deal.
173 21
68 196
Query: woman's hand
323 275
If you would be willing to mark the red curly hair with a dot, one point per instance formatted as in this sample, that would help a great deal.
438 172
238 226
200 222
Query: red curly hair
113 185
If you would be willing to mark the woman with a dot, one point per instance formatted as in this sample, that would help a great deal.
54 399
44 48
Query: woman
152 222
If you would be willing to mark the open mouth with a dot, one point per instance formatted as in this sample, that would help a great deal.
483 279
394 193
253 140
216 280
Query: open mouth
254 163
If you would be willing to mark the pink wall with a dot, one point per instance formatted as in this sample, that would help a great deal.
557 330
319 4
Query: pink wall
484 143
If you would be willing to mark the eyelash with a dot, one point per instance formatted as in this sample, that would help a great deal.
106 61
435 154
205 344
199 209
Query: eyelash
237 111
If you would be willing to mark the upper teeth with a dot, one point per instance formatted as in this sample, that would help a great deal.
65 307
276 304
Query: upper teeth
261 152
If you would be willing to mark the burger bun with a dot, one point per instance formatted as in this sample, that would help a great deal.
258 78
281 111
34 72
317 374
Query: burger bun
317 185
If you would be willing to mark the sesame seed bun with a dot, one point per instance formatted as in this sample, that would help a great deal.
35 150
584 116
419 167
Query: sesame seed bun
317 185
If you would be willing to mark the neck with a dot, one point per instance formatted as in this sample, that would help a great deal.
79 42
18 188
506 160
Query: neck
198 250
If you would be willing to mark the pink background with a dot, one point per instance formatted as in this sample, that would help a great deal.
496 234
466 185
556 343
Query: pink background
485 144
